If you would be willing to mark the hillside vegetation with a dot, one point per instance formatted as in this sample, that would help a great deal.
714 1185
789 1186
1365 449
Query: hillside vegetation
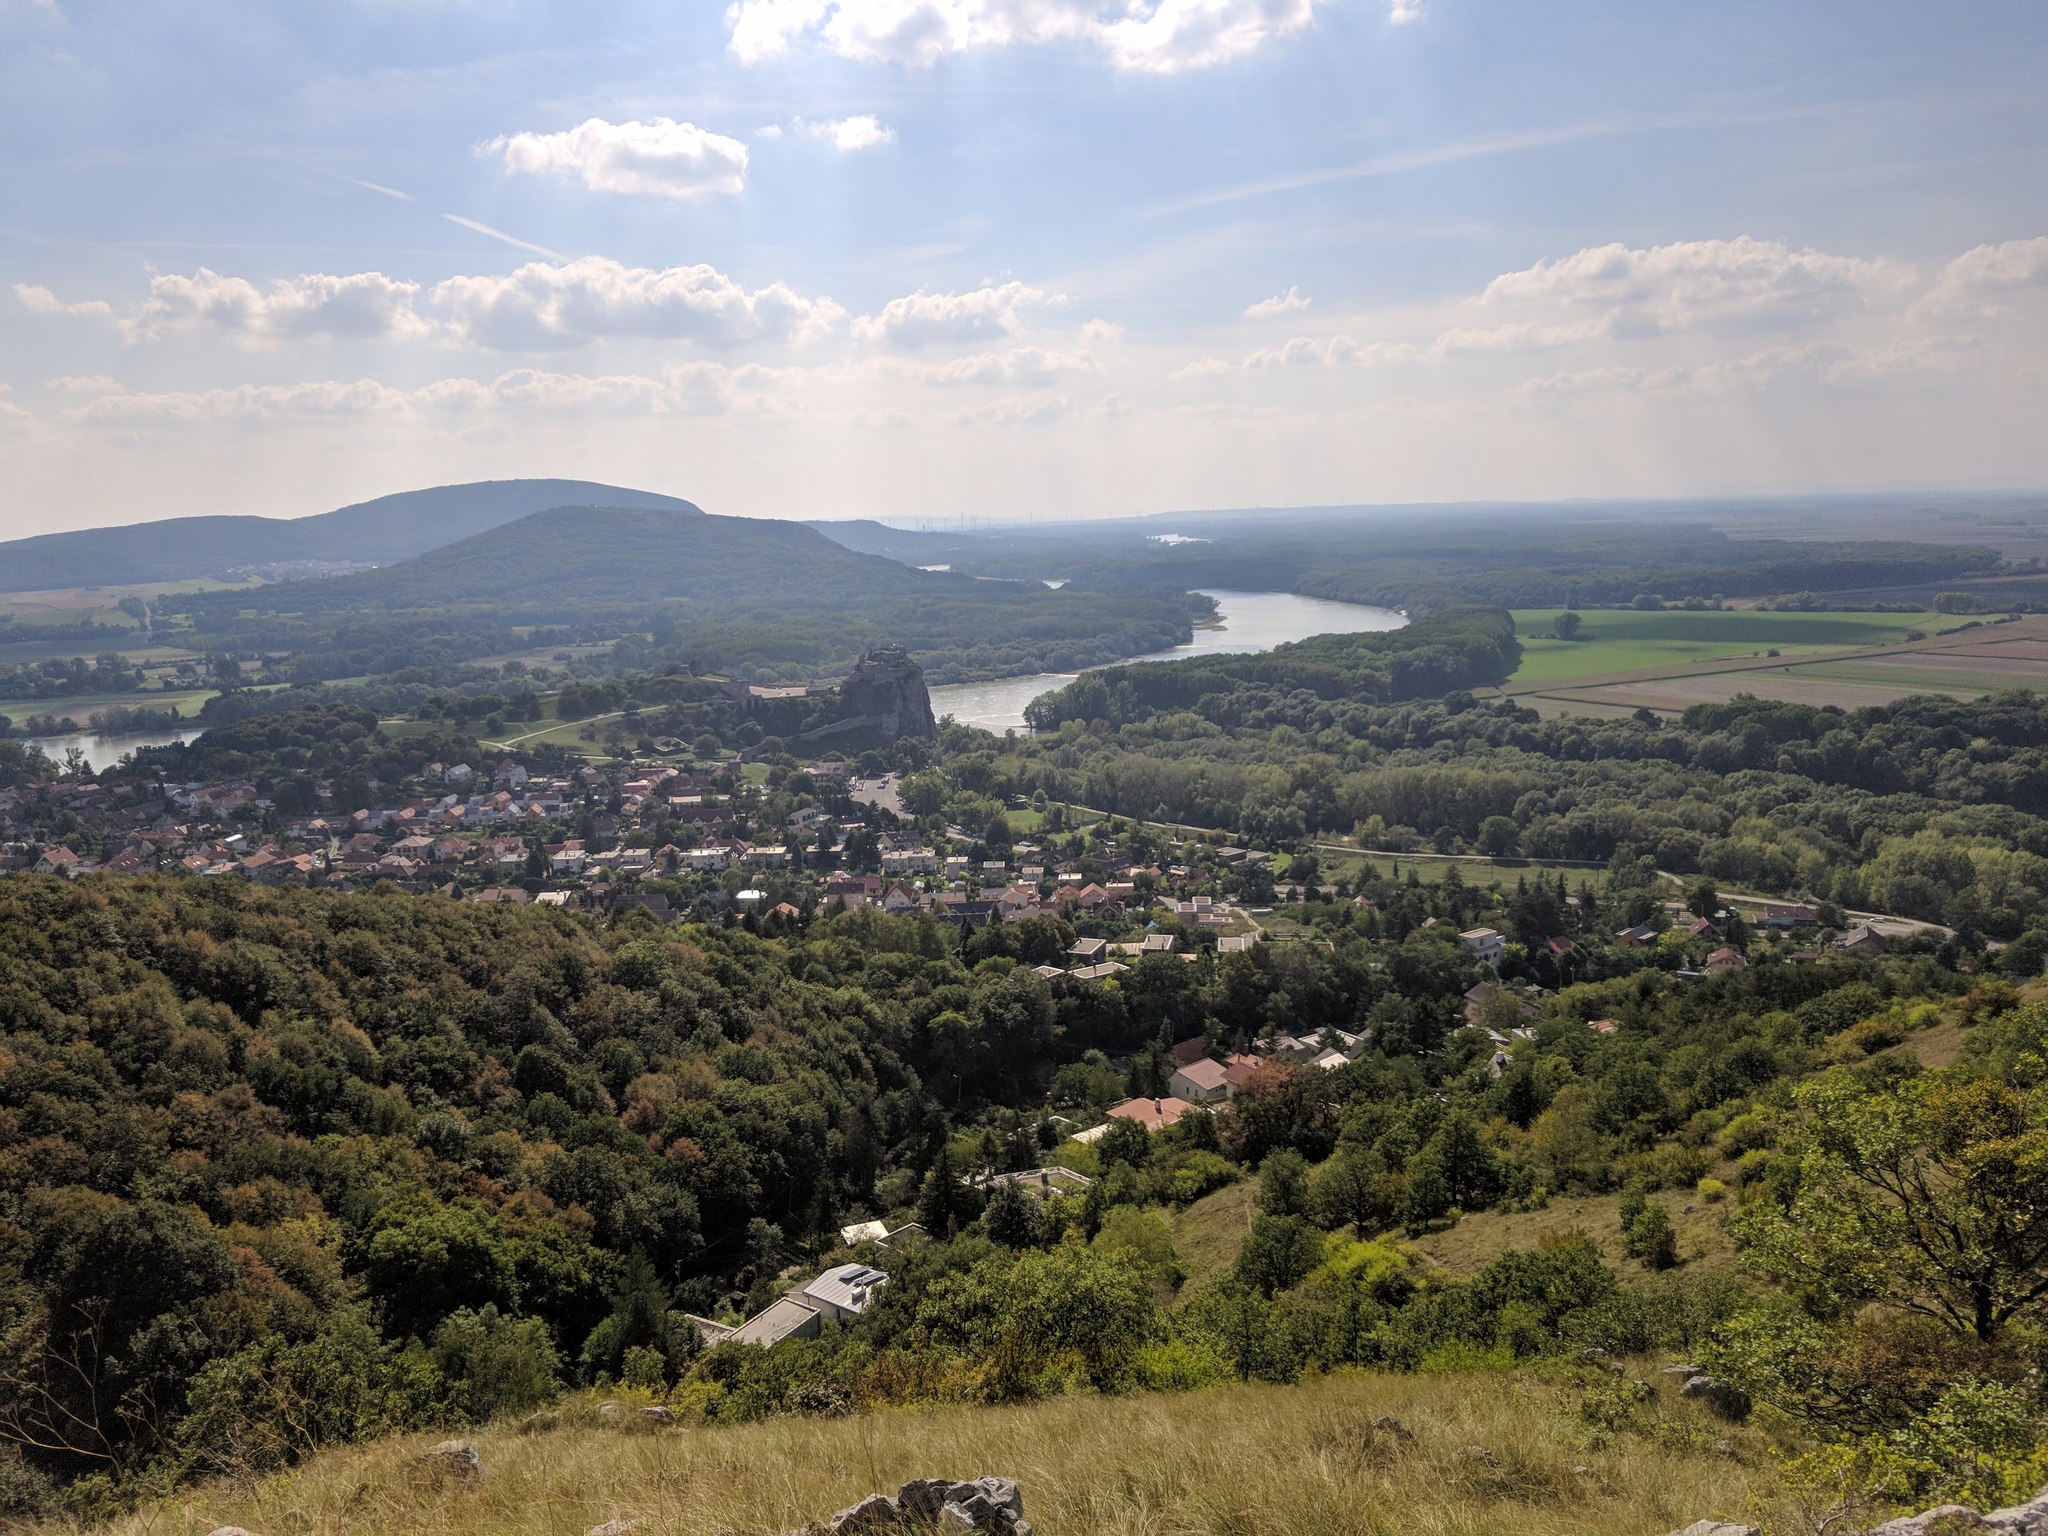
1535 1455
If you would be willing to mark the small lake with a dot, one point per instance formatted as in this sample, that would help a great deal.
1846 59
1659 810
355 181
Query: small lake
1247 621
105 751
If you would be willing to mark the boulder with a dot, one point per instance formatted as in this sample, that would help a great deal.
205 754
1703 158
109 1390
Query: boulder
620 1526
876 1512
1717 1528
656 1414
455 1458
229 1530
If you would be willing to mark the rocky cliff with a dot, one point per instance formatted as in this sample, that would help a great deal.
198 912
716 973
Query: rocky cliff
884 697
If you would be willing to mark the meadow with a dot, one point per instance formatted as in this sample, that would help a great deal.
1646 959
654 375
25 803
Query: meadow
1622 640
1348 1454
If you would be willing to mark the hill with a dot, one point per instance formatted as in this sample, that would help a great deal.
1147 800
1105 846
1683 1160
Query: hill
1318 1459
570 555
373 532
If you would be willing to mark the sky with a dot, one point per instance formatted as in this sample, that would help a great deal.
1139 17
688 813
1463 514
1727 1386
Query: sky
932 260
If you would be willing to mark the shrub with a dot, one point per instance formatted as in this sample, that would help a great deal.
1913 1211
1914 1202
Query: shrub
1711 1190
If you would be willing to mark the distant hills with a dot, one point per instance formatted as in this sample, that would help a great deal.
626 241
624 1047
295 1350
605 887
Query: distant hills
571 557
379 532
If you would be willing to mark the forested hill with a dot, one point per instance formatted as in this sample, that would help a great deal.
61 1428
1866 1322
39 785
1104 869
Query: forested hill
568 556
376 532
1461 648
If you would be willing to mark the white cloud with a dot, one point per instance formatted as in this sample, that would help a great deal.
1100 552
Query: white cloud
851 133
1203 368
1701 285
659 158
1101 333
1288 303
362 306
1305 351
41 301
1401 12
1970 284
545 306
1019 365
85 384
921 318
1520 337
1143 36
689 389
12 415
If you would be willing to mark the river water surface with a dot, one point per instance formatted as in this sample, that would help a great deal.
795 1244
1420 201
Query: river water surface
1248 621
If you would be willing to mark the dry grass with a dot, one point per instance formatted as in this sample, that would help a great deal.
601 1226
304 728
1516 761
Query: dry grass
1208 1234
1249 1460
1477 1240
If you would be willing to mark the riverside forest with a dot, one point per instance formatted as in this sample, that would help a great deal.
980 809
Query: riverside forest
574 992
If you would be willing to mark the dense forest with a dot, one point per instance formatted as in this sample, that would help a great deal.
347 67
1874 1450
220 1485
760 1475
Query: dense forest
279 1168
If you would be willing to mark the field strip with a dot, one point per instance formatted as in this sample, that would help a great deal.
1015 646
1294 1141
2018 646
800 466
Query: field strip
2028 629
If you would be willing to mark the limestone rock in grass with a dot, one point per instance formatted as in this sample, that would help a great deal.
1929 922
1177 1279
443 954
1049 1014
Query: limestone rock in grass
1717 1528
1386 1424
455 1458
1682 1370
229 1530
876 1512
954 1519
656 1414
621 1526
1944 1518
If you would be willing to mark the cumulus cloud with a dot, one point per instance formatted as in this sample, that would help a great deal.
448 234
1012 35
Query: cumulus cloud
1927 362
1971 284
1203 368
1101 333
545 305
41 301
1288 303
11 415
659 158
85 384
848 134
921 318
1145 36
1701 285
363 306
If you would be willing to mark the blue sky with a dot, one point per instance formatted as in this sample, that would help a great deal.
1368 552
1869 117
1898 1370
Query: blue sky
1000 258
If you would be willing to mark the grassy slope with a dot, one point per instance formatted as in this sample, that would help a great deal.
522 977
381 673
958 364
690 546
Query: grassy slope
1477 1240
1248 1460
1208 1233
1623 641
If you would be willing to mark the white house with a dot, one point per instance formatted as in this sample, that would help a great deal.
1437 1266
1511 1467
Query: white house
1485 944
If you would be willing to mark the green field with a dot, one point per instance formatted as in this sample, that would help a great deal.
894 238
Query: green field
79 707
1626 641
1431 870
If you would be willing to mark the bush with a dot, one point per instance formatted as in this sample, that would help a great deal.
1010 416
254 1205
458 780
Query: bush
495 1364
1711 1190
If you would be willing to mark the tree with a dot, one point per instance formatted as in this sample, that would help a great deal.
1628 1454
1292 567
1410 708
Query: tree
1701 898
1283 1183
1567 626
1278 1253
1499 837
1125 1141
1930 1195
1012 1217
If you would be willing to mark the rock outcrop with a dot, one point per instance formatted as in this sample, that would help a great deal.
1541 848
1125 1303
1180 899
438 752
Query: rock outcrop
883 698
2028 1519
932 1504
454 1458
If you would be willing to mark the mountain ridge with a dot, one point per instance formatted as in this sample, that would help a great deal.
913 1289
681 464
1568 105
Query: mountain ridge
380 531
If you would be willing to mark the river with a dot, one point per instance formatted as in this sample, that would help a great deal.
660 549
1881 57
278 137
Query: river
105 751
1247 621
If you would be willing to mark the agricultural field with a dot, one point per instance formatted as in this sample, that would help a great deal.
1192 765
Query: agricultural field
79 708
1623 640
1667 662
